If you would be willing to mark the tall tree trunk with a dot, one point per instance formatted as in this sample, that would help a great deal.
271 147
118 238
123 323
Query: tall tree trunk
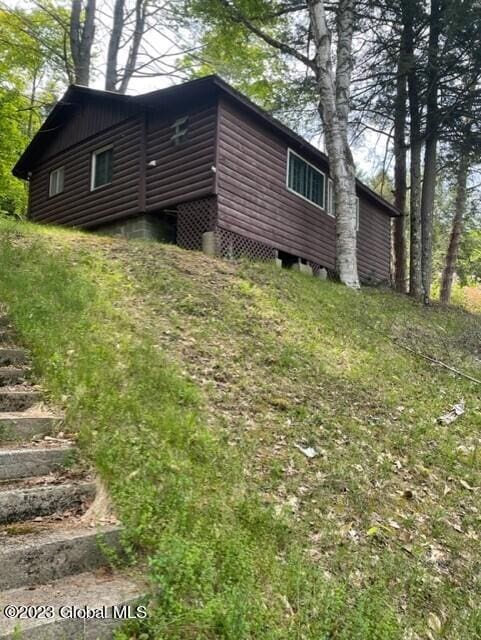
334 106
139 29
82 32
400 186
430 153
456 230
415 273
114 44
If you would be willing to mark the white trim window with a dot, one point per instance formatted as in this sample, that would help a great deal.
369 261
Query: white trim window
305 180
331 201
357 213
56 181
101 167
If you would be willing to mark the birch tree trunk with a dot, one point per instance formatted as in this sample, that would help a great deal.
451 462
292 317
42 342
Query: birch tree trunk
456 230
334 106
400 170
82 32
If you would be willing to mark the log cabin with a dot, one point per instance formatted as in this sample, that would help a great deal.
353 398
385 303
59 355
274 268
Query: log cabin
200 165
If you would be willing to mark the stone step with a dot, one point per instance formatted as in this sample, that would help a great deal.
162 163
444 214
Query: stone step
41 557
16 427
27 463
18 400
7 337
11 375
20 504
91 590
12 356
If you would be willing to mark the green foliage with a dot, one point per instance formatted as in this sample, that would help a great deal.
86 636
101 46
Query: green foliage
469 264
255 68
12 140
31 50
190 381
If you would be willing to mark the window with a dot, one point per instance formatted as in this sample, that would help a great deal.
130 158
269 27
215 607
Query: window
331 203
180 130
101 173
305 180
56 181
357 214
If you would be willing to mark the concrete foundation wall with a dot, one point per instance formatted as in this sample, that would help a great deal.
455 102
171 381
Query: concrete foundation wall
143 227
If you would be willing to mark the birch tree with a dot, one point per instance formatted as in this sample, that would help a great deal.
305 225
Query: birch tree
321 42
334 107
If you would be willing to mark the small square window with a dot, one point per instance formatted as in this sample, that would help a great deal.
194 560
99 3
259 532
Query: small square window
56 181
102 167
180 130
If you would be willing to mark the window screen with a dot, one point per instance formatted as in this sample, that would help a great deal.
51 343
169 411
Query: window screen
305 180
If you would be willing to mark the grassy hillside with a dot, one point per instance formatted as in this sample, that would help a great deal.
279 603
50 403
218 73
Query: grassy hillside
194 383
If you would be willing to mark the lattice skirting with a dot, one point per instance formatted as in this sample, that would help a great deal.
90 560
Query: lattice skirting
316 267
193 219
233 246
196 217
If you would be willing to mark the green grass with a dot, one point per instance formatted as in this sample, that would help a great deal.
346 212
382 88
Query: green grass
190 381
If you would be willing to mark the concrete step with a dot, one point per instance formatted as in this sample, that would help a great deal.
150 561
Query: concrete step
18 400
40 557
21 504
12 356
15 427
27 463
11 375
92 590
7 337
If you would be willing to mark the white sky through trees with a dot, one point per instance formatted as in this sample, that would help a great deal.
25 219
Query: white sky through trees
169 44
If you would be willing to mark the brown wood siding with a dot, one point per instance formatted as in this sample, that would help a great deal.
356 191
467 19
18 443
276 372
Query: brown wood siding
183 172
78 205
253 199
88 117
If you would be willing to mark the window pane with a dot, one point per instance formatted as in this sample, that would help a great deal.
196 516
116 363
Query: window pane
56 181
103 168
60 173
305 180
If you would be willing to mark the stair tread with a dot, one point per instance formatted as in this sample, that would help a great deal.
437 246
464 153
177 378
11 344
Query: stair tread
30 414
92 589
45 502
31 447
22 462
26 485
37 536
70 476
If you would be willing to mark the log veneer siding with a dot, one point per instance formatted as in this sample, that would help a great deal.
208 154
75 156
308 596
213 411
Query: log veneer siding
253 199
